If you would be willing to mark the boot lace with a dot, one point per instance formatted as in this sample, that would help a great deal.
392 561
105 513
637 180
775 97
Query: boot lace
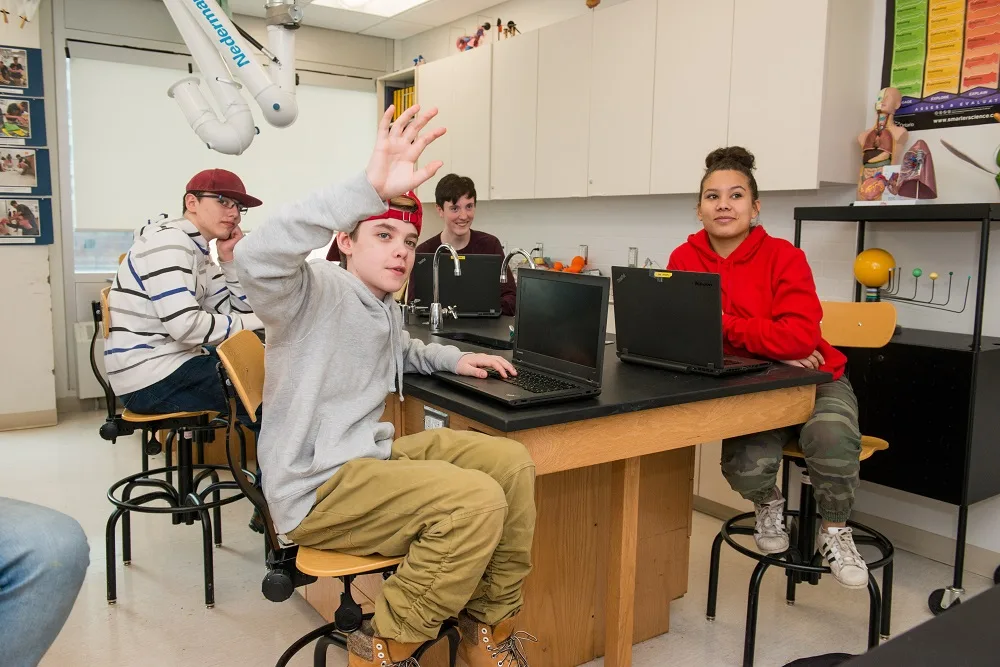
511 650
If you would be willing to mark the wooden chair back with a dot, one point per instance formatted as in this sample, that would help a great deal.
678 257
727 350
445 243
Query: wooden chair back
850 324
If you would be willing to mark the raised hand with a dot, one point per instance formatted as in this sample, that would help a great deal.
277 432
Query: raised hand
392 167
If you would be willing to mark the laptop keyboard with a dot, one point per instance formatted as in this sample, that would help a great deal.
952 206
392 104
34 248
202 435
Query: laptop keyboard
533 382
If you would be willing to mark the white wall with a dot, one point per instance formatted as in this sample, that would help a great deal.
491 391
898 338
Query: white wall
657 224
27 366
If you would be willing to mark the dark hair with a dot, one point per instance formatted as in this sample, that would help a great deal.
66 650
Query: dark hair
453 187
731 158
354 237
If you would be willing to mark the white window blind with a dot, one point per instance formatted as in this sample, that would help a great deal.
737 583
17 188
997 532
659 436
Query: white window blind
133 152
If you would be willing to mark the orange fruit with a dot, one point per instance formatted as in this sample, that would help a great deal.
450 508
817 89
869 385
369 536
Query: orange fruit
558 266
578 261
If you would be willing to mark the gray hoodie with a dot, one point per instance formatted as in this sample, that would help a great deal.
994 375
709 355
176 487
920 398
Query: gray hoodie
334 351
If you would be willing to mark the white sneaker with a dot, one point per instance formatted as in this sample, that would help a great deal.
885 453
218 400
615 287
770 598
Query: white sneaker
838 548
769 531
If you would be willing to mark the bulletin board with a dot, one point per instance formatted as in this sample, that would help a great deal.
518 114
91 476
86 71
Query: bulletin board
25 170
944 57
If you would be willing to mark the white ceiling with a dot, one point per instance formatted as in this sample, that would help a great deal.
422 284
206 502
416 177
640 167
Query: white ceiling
421 18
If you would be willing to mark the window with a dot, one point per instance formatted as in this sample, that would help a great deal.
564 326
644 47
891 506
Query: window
132 151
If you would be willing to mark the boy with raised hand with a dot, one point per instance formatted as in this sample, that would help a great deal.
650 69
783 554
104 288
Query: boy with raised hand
458 505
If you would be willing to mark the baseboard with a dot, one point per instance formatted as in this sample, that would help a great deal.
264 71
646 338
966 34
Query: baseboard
939 548
930 545
712 508
23 420
70 404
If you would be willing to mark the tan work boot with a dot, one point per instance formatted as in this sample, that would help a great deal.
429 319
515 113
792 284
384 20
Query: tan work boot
366 650
485 646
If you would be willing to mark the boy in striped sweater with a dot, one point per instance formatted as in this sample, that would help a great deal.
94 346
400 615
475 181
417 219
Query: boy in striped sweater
171 304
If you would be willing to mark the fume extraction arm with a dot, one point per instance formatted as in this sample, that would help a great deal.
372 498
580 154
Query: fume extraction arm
222 51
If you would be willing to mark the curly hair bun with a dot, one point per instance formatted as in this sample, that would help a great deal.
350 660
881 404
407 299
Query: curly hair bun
730 155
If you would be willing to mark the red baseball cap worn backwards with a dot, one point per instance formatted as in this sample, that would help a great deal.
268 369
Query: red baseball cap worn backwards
222 182
415 218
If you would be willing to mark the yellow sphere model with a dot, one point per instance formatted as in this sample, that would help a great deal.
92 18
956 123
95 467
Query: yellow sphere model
872 266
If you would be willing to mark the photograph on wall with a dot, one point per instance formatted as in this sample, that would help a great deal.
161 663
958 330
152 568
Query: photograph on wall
25 221
21 71
18 168
13 67
20 218
944 57
23 122
24 171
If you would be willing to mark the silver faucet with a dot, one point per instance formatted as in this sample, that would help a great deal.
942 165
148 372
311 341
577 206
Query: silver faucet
438 313
506 261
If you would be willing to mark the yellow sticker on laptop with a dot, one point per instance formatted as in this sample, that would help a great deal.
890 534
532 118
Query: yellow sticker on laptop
662 274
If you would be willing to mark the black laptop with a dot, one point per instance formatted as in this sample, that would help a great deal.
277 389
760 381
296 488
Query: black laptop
558 341
673 320
476 293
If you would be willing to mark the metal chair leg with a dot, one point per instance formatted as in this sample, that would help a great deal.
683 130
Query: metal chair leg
206 544
168 455
753 598
874 612
319 653
109 554
791 582
886 628
713 577
145 456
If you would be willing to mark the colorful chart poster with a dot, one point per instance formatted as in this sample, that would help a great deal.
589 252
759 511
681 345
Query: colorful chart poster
944 57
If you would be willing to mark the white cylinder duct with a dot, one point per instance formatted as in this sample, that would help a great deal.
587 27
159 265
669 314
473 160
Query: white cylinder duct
220 51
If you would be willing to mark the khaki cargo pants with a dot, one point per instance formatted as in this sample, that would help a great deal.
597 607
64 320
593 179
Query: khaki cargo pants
459 505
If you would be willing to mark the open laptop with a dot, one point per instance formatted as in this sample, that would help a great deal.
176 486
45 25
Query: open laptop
558 341
476 293
690 305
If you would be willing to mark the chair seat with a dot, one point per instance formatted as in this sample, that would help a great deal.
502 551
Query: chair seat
137 418
869 445
322 563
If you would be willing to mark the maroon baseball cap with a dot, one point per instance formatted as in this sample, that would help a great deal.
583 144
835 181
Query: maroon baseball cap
415 218
222 182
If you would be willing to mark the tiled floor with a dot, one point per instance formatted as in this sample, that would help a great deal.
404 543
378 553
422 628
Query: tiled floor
160 618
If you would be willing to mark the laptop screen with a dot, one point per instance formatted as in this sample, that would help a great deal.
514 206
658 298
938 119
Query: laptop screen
475 292
561 321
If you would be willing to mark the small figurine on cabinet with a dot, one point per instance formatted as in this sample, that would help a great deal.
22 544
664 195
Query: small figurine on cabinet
467 43
881 145
591 4
510 30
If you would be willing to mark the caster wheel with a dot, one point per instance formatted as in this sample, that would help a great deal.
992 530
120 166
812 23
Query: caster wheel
996 576
934 602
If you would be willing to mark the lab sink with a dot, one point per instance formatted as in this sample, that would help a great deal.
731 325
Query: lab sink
476 339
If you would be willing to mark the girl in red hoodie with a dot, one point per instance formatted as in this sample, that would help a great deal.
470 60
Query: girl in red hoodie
771 310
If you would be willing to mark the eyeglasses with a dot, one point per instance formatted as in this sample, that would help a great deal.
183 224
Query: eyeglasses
226 202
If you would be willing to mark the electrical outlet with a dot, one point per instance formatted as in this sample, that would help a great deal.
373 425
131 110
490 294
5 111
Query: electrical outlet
434 418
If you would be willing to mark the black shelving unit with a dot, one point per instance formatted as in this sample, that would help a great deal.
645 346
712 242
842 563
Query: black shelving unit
953 455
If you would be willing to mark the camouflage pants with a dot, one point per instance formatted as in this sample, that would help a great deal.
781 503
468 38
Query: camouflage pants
830 440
